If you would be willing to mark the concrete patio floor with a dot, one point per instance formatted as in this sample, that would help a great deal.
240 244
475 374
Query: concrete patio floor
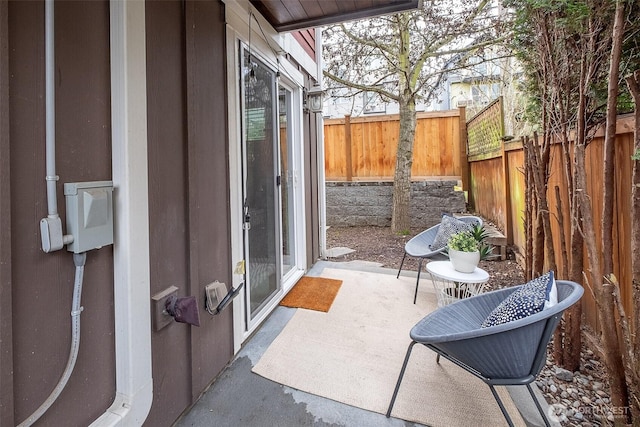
241 398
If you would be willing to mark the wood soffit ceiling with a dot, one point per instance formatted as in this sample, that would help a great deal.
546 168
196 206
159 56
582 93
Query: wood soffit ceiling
289 15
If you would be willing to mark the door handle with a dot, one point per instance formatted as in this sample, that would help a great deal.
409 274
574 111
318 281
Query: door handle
246 220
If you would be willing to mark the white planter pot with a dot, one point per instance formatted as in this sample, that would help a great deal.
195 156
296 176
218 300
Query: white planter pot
464 262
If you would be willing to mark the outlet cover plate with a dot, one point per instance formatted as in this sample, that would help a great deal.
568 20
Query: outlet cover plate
160 316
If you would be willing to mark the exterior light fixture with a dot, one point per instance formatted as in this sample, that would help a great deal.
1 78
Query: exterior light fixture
313 101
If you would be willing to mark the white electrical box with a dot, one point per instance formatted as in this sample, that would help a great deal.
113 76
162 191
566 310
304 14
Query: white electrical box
89 214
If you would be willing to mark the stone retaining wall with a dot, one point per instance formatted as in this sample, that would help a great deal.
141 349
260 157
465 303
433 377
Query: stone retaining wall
369 203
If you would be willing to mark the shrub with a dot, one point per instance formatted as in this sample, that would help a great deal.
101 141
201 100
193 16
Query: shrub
463 241
471 241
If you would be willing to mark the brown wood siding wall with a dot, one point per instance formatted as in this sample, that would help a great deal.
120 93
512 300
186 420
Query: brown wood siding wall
189 200
210 231
6 326
168 197
307 39
368 149
41 284
488 195
189 204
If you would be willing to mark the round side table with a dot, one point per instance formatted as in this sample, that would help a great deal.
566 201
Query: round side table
452 285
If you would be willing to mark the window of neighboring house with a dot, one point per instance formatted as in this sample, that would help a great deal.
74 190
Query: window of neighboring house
371 103
460 96
482 94
479 67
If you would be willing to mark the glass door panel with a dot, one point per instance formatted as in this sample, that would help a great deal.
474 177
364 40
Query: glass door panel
287 180
261 221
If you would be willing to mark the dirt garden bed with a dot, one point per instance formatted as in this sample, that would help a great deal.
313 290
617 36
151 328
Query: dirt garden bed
381 245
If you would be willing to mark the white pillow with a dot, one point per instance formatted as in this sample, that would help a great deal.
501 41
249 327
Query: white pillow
552 293
449 225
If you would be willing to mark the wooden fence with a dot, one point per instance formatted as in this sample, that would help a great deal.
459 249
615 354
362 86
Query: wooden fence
497 184
364 148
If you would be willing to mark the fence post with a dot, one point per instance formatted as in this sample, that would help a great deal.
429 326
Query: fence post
464 159
506 179
507 194
347 146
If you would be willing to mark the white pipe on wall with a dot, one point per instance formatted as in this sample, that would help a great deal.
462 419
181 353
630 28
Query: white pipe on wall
76 309
51 226
50 109
132 304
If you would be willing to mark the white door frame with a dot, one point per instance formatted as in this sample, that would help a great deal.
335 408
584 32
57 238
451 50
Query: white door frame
294 81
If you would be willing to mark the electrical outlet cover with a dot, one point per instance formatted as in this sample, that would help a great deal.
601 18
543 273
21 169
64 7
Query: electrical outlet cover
160 316
89 214
214 293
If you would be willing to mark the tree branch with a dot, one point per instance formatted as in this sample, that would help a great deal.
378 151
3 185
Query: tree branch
368 88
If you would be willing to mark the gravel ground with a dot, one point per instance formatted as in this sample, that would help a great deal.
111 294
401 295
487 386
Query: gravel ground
578 398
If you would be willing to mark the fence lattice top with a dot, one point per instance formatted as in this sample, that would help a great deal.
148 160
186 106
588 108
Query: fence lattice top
485 129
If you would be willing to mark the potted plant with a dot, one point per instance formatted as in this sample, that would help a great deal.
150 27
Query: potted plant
480 234
467 248
464 251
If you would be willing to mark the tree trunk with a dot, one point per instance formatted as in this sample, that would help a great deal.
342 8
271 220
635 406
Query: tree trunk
401 219
603 293
540 155
567 340
528 217
561 225
609 140
542 230
573 316
572 338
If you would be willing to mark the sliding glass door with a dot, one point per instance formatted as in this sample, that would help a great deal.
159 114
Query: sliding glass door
269 194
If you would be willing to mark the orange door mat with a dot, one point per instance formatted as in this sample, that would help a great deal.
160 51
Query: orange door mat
312 293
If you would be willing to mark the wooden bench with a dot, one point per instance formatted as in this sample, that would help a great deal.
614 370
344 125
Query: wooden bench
498 240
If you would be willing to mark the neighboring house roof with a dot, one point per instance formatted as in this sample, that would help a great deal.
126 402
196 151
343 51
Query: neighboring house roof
287 15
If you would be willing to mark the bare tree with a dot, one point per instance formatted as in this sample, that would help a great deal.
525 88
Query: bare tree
605 293
576 65
405 58
550 52
610 136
